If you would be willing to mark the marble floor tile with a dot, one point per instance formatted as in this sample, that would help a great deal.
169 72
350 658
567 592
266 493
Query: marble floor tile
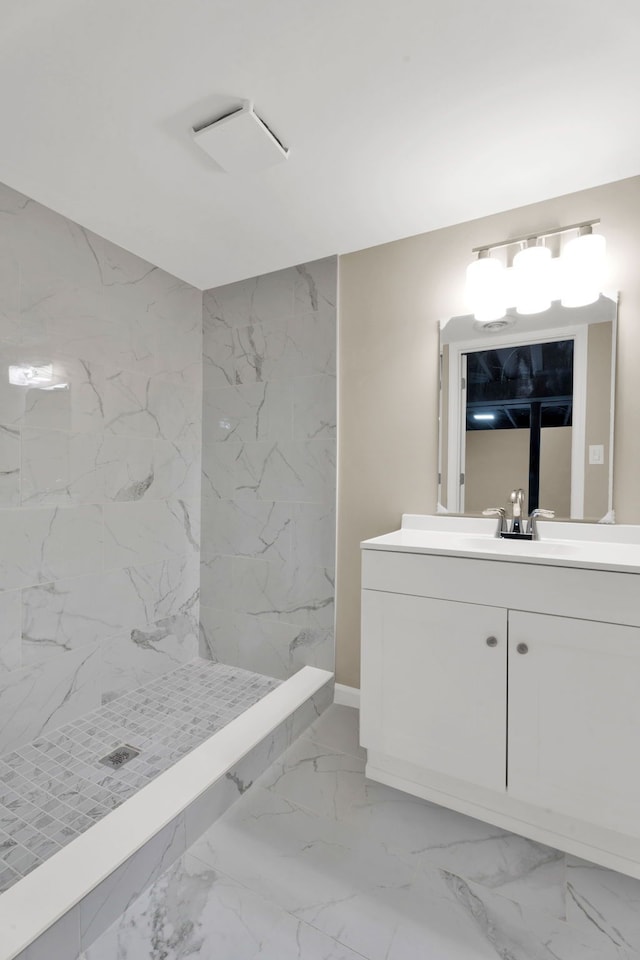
273 880
295 940
192 910
604 901
339 729
333 784
349 886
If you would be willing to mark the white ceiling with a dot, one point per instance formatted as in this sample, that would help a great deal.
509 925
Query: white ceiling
401 115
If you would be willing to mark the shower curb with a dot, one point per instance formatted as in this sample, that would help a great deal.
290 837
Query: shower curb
70 900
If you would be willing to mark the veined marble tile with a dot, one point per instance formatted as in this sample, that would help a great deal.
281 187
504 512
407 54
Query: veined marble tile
295 940
287 470
216 582
142 654
67 614
154 407
339 729
219 465
126 405
9 466
39 545
191 910
69 468
176 471
149 531
72 401
13 398
260 299
176 409
313 534
9 292
350 887
219 367
275 649
314 407
285 348
253 411
177 313
275 591
60 942
40 697
333 784
250 528
10 658
604 903
316 287
59 275
114 895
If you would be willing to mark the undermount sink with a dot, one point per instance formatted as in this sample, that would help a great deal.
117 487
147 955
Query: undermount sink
526 548
563 543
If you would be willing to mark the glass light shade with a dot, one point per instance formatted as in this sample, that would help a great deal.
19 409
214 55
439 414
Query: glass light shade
485 289
532 280
583 269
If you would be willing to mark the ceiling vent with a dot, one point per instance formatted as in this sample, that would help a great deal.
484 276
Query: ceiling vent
241 142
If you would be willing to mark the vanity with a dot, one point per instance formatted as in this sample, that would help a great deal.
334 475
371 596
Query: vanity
501 678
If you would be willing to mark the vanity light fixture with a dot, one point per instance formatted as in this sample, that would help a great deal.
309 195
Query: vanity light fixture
536 278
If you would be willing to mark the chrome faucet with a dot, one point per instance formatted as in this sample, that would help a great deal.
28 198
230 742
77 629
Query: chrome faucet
517 503
539 514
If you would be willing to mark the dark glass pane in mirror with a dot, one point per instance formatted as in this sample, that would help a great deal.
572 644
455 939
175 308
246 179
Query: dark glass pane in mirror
502 384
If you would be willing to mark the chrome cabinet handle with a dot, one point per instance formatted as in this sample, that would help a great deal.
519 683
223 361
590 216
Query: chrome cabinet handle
492 641
522 648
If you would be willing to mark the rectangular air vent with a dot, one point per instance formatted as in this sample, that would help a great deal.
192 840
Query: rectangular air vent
241 142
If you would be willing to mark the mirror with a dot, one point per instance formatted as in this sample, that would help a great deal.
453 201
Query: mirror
528 402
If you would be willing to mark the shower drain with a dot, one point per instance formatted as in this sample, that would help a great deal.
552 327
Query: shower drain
118 757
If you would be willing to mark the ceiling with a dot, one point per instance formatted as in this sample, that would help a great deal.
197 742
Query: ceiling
402 116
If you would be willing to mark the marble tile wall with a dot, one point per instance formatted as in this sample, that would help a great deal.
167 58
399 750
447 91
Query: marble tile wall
100 470
269 471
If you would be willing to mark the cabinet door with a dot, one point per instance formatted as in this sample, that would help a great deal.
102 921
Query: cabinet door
433 690
574 718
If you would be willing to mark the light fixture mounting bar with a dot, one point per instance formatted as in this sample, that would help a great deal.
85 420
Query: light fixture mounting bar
534 236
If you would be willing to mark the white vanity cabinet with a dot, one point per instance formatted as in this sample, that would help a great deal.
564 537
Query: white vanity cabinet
574 718
449 711
506 685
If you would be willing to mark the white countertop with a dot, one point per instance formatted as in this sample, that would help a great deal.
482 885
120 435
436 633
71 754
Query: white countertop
614 547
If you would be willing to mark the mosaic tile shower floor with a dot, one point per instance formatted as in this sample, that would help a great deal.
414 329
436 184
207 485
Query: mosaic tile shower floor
55 788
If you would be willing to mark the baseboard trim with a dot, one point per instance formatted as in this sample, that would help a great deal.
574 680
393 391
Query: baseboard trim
347 696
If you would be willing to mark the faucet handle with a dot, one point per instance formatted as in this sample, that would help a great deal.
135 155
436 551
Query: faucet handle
538 514
497 512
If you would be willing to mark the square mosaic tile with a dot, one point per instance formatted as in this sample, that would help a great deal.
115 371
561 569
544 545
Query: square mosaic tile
55 788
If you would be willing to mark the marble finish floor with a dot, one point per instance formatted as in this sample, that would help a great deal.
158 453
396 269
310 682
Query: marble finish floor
55 788
314 862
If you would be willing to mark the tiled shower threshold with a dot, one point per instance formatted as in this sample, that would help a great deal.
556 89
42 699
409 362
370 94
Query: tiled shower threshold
192 729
